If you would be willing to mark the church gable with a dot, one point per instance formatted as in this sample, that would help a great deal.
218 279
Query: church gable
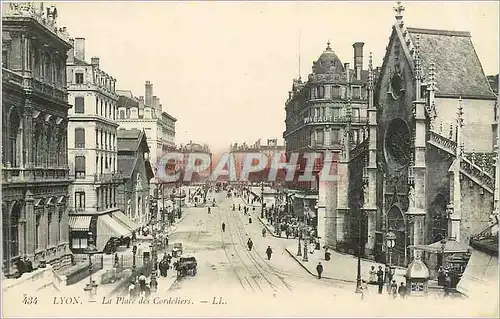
455 59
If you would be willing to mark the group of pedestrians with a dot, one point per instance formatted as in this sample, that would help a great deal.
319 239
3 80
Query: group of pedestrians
382 277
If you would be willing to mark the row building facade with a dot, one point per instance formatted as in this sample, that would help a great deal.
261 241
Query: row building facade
35 175
92 137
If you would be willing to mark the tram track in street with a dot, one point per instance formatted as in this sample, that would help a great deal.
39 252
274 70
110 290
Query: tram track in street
254 261
231 262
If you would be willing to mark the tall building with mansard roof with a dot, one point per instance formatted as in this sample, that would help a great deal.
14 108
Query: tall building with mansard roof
326 113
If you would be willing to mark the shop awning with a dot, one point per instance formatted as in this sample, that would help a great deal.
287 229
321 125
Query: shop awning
125 220
107 227
79 223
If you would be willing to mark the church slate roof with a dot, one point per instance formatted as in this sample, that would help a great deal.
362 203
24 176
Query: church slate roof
128 140
458 69
126 165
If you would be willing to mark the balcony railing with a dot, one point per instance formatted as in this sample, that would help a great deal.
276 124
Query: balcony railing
11 77
35 85
108 177
27 175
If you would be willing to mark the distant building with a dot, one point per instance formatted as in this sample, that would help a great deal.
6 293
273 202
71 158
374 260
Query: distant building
493 80
93 153
134 166
35 180
148 115
270 149
198 176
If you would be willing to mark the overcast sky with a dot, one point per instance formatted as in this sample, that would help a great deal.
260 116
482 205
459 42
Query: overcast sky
224 69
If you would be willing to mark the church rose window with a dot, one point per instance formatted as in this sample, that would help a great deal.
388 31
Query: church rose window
397 144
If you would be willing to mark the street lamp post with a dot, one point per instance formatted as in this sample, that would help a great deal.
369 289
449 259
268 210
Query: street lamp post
299 251
358 274
443 246
390 237
91 286
154 256
134 253
261 199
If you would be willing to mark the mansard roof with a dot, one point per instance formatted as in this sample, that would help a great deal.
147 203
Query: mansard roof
458 69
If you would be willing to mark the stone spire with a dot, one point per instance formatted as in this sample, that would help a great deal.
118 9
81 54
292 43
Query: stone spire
370 72
399 8
455 217
418 63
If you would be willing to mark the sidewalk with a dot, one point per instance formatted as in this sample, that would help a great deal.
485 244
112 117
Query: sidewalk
340 267
113 288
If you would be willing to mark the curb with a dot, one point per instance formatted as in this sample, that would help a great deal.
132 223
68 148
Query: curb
315 276
268 229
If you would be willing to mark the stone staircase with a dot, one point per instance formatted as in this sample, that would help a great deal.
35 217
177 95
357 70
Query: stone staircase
474 172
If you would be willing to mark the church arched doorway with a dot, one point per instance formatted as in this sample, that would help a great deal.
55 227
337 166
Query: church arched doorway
439 218
396 222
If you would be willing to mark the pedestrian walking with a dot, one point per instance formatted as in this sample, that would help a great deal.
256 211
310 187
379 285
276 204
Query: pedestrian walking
131 290
223 227
269 252
394 289
166 240
239 207
373 276
264 232
116 263
380 279
363 289
319 269
208 209
402 290
142 283
250 244
447 284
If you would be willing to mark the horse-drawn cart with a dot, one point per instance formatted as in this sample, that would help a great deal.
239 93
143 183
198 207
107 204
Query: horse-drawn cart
186 265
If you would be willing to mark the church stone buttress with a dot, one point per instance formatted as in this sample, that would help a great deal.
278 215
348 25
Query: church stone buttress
416 212
370 171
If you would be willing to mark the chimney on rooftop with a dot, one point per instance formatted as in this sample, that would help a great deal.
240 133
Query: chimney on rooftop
347 71
71 52
80 48
94 61
358 59
141 102
149 94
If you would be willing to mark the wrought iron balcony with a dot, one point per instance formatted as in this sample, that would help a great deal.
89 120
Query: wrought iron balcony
108 177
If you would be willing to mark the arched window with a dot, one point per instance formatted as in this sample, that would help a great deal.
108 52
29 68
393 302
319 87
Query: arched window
14 139
14 229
